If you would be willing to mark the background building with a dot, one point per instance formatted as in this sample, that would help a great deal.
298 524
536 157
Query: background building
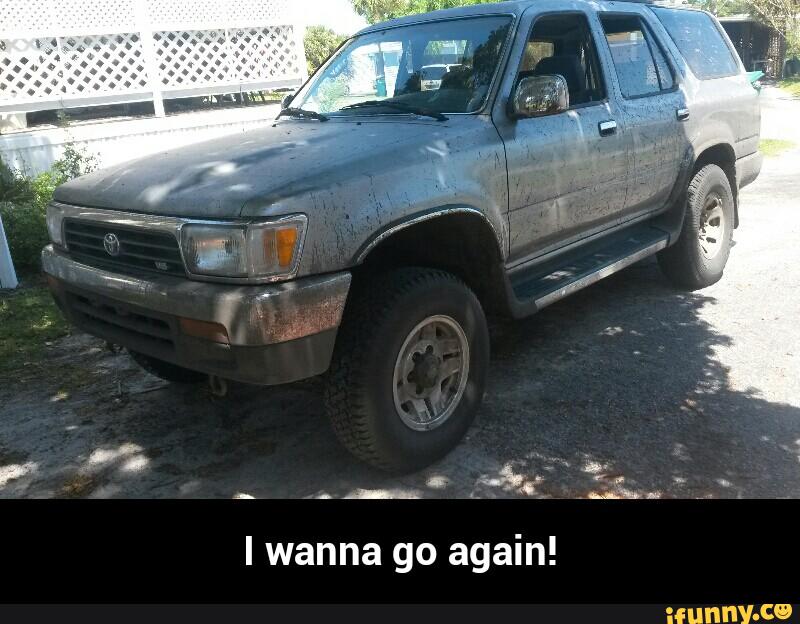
759 46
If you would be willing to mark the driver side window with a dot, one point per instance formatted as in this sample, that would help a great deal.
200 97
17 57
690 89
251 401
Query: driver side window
562 44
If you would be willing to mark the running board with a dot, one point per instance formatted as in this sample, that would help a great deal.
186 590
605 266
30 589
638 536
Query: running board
545 283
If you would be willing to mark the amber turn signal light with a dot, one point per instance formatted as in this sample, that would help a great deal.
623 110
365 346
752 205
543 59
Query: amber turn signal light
285 239
203 329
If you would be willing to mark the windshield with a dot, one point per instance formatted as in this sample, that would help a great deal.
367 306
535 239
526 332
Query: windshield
443 67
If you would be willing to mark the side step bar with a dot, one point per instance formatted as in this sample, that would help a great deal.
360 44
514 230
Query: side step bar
548 281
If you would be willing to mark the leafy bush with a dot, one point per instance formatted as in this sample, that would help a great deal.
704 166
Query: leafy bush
26 232
23 203
14 188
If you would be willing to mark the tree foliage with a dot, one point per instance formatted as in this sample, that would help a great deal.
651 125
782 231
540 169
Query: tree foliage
722 8
380 10
783 16
319 44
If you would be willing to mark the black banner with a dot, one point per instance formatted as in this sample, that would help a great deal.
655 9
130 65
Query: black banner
667 552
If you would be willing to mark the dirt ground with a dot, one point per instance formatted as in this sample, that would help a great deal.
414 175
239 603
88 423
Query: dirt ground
627 389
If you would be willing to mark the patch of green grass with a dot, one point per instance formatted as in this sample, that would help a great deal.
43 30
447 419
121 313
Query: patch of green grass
28 319
792 85
774 147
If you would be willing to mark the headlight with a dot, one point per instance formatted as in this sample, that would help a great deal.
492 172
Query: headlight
253 250
55 220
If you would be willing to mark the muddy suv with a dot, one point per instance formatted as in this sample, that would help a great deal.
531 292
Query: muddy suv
368 232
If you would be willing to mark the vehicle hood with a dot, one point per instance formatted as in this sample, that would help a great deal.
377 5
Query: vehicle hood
250 173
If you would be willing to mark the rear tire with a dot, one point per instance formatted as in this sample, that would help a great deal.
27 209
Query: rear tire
698 259
166 370
409 369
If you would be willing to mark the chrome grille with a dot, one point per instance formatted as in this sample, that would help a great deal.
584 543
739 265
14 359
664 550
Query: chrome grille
139 249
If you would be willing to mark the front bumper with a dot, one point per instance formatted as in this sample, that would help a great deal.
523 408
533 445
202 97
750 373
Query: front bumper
276 333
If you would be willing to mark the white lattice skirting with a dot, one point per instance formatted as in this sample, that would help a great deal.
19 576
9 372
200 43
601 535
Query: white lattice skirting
67 53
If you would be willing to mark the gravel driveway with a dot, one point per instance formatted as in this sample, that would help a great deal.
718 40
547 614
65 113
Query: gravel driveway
627 389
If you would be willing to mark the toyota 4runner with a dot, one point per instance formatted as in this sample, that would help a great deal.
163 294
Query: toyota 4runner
369 230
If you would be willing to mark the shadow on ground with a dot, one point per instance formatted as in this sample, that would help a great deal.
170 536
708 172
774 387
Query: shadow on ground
624 396
614 392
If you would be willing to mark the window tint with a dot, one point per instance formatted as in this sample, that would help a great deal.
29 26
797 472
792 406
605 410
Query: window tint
700 42
562 44
639 62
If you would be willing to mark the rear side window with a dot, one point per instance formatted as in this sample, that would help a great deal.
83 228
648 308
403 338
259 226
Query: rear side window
700 42
639 62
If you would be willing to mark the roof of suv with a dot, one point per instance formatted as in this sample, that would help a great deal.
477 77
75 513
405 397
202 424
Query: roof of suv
490 8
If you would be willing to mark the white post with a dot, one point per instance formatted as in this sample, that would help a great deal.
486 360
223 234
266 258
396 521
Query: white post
300 32
298 21
8 278
150 57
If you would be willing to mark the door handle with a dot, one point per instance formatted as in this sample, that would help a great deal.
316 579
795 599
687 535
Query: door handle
608 128
682 113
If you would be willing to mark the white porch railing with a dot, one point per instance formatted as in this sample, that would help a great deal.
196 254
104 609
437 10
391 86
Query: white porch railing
70 53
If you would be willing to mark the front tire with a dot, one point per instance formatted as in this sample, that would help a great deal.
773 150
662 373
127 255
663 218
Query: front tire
699 257
409 369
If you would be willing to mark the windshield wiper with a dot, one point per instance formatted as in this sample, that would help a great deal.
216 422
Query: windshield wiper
406 108
303 114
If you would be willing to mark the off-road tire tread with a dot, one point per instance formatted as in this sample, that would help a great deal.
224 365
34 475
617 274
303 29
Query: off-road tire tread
345 389
678 262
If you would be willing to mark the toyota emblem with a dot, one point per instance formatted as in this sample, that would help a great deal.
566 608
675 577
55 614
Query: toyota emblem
111 244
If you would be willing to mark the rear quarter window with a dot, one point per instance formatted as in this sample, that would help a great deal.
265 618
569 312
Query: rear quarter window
700 42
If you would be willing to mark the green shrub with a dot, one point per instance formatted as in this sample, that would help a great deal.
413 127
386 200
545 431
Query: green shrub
26 231
14 187
72 164
23 204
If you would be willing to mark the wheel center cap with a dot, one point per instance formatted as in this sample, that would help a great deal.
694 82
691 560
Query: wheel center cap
426 372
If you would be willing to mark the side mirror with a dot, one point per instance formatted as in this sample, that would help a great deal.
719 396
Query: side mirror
536 96
287 100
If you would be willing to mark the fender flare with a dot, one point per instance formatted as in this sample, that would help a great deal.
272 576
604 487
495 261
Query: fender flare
733 181
421 217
